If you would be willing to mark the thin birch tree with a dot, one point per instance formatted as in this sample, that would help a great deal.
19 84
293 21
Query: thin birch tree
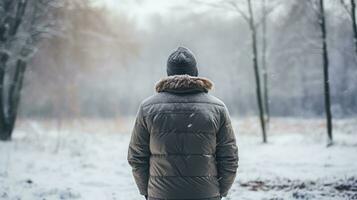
319 7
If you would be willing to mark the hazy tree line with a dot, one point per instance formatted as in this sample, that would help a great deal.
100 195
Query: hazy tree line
104 65
68 70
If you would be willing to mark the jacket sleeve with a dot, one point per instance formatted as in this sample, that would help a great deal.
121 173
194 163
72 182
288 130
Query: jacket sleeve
226 154
139 153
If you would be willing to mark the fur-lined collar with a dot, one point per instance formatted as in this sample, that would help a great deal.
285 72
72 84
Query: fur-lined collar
184 84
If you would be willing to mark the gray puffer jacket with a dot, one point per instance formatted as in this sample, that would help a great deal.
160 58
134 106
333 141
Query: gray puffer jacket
183 145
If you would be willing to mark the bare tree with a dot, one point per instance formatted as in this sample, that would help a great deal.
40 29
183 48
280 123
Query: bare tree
265 14
249 17
326 70
318 5
253 23
22 23
322 20
253 30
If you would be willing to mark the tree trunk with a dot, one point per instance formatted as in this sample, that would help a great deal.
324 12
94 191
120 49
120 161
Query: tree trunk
354 25
256 70
326 73
8 31
15 94
4 135
264 63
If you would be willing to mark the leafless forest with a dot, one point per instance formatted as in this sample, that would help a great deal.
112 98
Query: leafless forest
103 65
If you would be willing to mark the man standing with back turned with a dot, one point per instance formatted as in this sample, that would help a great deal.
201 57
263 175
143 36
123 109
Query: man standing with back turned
183 145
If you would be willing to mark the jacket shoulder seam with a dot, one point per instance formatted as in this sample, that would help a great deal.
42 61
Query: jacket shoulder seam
179 176
183 103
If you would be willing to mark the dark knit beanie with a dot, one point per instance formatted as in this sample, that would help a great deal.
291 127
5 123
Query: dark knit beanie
182 61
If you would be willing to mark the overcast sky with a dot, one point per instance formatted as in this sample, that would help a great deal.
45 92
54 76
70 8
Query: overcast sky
141 10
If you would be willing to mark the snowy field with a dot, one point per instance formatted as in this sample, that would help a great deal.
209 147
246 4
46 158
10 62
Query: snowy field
87 160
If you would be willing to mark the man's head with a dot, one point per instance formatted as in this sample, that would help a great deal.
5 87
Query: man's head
182 61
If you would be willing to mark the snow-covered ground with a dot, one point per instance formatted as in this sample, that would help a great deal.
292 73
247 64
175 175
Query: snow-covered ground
87 160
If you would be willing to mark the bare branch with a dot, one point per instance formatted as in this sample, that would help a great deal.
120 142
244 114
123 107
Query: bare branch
345 6
314 7
213 5
241 12
265 15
